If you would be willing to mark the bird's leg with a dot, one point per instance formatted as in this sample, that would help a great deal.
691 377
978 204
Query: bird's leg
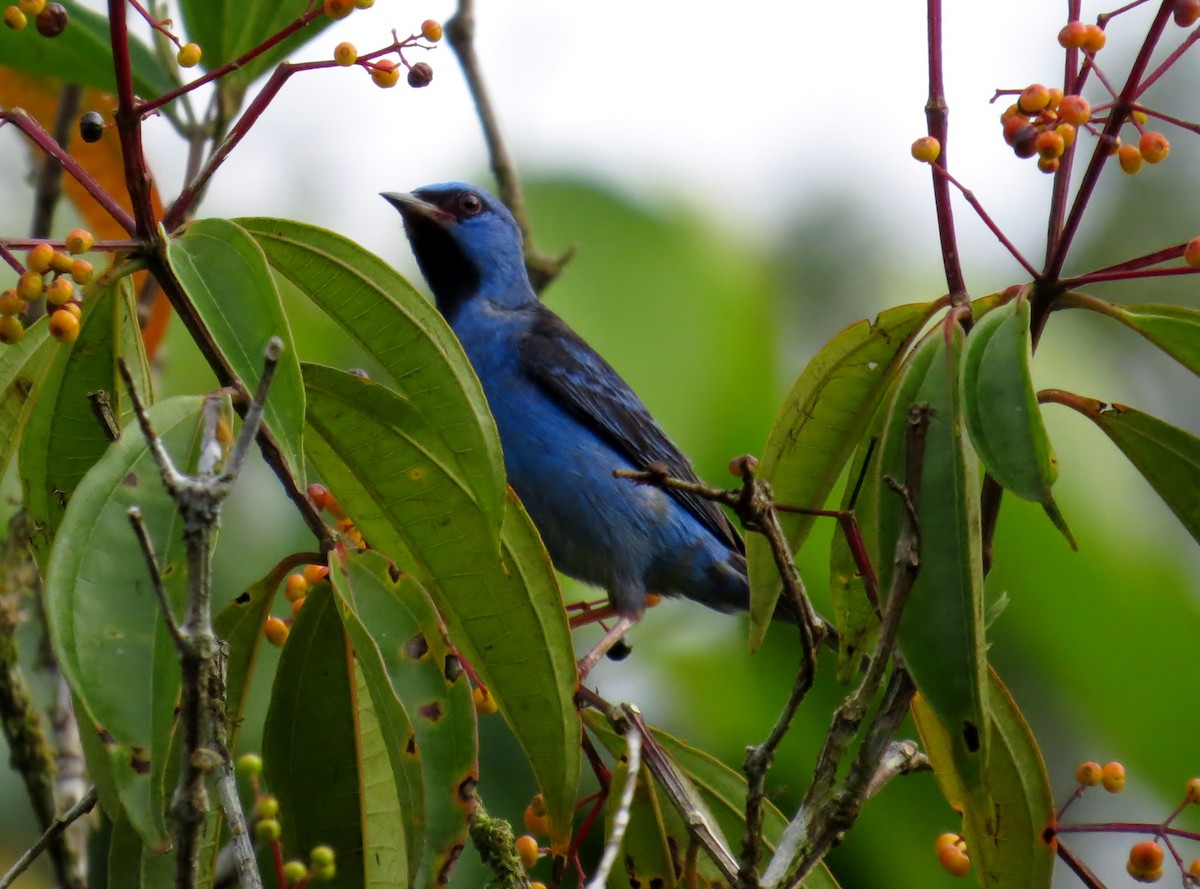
607 641
590 612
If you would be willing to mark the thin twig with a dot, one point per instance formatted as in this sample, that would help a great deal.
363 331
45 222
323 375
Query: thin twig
160 591
969 197
460 32
53 832
620 820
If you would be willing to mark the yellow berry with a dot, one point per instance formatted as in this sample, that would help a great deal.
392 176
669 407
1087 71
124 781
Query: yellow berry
1033 98
926 149
1068 134
61 262
954 860
11 304
11 329
266 807
31 7
483 700
74 308
528 850
1154 147
267 830
81 272
294 872
536 885
321 856
431 30
1113 777
189 55
1048 164
385 73
295 587
64 326
39 258
14 18
1049 144
1140 117
1192 792
1055 97
1073 35
276 631
1075 110
314 574
60 292
249 765
947 839
1130 159
1094 38
537 824
79 240
29 285
363 4
345 54
338 9
1089 774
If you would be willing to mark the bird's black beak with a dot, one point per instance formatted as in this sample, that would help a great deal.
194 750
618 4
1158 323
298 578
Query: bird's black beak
413 208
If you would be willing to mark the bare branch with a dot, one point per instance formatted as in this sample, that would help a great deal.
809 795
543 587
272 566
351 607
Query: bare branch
53 832
620 821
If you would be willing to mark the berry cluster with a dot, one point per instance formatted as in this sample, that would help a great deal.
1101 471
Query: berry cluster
53 274
1042 122
385 72
321 864
50 19
324 500
296 589
538 825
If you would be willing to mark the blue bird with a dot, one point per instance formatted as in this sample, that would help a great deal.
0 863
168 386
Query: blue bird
566 420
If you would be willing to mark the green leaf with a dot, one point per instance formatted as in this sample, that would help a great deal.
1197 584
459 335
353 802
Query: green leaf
401 331
226 277
1004 828
63 435
104 620
503 608
22 370
410 669
818 427
1167 457
1174 329
227 29
83 54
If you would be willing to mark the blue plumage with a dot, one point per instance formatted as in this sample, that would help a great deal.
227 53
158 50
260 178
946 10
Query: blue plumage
567 419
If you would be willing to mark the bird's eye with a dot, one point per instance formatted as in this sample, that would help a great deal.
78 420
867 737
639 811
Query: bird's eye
469 204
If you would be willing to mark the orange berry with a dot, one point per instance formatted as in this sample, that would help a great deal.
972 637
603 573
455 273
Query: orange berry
297 604
1074 110
189 55
30 286
1113 777
1033 98
926 149
11 304
536 885
1012 126
1048 164
276 631
338 9
314 574
11 330
954 860
483 700
1089 774
1194 868
74 308
1130 159
81 271
1094 38
1049 144
1056 96
79 241
1073 35
385 73
1187 12
1154 147
1068 134
527 849
61 262
60 292
1152 876
1192 793
431 30
1146 856
536 824
64 326
948 839
15 19
39 258
345 54
295 587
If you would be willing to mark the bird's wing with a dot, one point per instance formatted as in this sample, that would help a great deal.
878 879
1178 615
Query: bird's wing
571 371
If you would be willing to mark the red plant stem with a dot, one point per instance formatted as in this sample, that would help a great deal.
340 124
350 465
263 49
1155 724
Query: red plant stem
1062 178
43 140
1118 116
1160 829
101 246
216 73
1182 124
1097 277
8 257
129 124
153 23
936 120
1081 870
1141 262
1170 60
970 198
179 208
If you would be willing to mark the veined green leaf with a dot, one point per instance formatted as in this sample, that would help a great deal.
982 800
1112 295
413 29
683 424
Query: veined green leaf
817 429
1174 329
22 370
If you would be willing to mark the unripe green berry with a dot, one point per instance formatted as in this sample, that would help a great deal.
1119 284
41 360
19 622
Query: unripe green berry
249 765
267 807
294 872
321 856
267 830
323 871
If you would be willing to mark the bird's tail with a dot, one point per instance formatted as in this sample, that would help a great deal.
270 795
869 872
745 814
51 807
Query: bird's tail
734 589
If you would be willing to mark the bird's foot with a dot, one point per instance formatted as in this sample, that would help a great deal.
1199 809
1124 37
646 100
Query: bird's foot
607 641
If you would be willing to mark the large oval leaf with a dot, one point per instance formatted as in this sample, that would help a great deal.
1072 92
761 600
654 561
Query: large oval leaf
22 370
400 330
817 429
226 277
503 608
105 622
1174 329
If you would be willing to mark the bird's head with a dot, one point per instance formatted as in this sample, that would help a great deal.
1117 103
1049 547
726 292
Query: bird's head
466 243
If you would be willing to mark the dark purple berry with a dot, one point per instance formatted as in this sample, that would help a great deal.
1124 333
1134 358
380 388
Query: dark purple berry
52 20
419 75
91 127
1025 142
